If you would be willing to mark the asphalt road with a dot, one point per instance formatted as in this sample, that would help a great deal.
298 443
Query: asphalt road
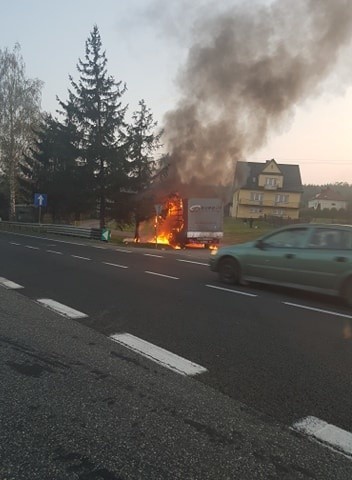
284 354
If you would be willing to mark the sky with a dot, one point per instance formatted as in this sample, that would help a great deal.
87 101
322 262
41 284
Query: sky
147 44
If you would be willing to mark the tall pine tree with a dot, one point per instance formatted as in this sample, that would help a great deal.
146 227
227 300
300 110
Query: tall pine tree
142 143
95 108
53 167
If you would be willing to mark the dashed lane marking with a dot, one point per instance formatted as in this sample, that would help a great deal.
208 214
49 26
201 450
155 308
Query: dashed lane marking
162 275
232 291
80 258
159 355
32 248
61 309
334 437
152 255
319 310
9 284
115 265
14 243
55 252
122 250
191 261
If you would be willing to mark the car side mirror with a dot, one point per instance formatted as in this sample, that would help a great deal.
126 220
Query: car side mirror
260 244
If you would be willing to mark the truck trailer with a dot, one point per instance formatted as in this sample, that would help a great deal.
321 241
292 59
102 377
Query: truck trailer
192 221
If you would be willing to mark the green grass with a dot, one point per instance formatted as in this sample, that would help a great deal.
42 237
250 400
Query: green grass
237 231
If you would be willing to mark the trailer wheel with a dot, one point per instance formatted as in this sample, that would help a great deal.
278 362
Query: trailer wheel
229 271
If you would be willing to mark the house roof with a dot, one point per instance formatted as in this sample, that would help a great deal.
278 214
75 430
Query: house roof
247 175
329 194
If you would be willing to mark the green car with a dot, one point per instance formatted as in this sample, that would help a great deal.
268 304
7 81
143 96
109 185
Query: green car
314 257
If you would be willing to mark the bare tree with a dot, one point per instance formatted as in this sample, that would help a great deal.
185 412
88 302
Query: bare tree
20 99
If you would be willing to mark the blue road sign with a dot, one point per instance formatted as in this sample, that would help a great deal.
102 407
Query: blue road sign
40 199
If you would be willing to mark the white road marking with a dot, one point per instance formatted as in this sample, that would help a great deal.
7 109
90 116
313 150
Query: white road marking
44 238
335 437
162 275
32 248
115 265
8 284
54 251
14 243
60 308
232 291
122 250
190 261
152 255
336 314
81 258
100 248
159 355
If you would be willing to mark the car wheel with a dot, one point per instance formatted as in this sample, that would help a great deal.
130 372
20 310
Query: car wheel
347 291
229 271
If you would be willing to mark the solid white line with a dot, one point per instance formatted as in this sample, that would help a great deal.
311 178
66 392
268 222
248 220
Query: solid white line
190 261
54 251
232 291
122 250
32 248
335 437
8 284
44 238
60 308
336 314
14 243
162 275
115 265
152 255
159 355
81 258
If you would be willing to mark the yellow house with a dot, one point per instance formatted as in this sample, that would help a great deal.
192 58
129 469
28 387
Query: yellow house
266 190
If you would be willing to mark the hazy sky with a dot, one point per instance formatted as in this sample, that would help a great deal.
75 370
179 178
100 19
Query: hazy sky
147 42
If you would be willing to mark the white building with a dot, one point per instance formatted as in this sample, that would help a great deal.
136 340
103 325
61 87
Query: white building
329 199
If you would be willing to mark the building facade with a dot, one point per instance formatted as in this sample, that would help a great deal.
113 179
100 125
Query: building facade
266 190
328 199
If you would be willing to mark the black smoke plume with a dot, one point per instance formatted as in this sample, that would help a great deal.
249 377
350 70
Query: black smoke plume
247 69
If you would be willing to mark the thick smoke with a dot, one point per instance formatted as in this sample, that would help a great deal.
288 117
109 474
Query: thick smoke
247 69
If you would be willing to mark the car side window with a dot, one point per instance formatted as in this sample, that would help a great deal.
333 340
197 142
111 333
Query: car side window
330 239
293 238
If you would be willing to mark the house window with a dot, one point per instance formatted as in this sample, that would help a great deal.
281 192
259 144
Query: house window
257 197
270 182
281 198
279 212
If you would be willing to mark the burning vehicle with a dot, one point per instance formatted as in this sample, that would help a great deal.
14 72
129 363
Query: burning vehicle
196 222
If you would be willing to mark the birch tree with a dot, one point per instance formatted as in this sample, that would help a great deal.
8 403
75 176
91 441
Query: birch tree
20 99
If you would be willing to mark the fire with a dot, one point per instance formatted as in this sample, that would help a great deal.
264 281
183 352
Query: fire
169 223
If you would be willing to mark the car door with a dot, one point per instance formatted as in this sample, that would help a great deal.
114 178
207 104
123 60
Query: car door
326 258
274 259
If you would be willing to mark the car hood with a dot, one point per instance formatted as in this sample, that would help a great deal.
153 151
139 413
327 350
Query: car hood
235 248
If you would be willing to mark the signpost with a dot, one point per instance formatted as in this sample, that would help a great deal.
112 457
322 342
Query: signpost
40 200
158 209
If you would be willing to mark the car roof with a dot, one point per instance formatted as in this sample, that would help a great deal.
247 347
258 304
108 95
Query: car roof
325 225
